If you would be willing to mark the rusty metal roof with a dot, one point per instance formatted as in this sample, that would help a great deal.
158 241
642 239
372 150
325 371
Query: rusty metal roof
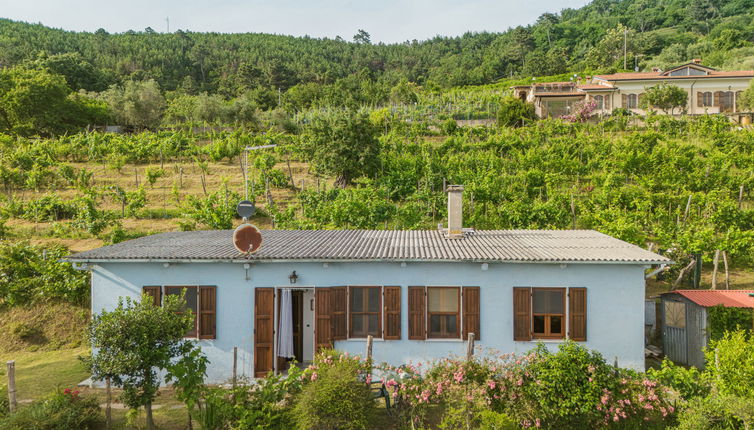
727 298
380 245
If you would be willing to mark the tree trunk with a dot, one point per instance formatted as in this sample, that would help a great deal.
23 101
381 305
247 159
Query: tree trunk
150 419
108 409
189 425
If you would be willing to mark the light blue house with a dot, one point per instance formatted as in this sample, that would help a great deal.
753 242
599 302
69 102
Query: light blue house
418 293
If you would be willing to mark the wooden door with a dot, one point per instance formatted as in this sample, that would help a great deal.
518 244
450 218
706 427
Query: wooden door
322 319
264 333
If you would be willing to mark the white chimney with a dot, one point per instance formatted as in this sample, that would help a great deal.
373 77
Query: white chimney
455 211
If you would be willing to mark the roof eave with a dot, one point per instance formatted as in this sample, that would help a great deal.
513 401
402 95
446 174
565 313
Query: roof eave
365 260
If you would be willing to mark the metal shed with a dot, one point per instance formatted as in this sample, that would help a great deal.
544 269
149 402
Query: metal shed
684 320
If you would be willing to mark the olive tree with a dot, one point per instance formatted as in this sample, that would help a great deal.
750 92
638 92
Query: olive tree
664 96
135 340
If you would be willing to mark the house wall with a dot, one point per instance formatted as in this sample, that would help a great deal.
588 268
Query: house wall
615 302
691 86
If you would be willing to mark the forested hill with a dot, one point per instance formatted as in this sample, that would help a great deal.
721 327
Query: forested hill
661 32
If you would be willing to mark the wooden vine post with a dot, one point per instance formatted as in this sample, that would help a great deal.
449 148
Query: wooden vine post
470 347
12 386
715 262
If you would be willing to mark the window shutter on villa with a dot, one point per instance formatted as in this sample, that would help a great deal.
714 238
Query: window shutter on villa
155 294
322 319
471 322
339 303
577 314
392 313
417 327
207 312
716 101
522 313
624 100
699 99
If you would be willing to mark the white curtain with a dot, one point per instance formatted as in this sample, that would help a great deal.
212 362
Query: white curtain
285 325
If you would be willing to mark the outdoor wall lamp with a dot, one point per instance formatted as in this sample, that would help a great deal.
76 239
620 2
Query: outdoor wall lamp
293 277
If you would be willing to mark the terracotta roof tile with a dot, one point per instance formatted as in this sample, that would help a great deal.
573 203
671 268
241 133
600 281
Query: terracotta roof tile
659 76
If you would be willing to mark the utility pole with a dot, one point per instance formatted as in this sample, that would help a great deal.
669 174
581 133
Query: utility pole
625 49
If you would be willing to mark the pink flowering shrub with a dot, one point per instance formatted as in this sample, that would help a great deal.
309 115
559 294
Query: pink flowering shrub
582 111
570 388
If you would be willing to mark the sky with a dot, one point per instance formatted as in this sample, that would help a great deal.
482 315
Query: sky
385 20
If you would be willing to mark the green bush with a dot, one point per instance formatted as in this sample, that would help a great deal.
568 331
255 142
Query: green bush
689 382
515 112
33 273
62 410
730 364
335 398
716 413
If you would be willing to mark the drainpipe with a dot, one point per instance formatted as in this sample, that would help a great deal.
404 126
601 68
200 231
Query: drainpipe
691 99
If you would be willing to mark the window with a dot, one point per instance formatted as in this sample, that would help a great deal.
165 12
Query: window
443 312
600 102
548 313
191 302
675 314
199 299
365 311
705 98
632 101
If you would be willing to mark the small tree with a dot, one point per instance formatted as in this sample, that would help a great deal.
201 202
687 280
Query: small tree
135 340
664 96
187 376
746 99
515 112
343 144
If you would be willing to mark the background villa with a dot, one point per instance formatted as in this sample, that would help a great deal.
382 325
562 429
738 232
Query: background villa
710 91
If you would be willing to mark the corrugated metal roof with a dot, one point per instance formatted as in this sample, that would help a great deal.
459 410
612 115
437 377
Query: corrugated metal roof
390 245
727 298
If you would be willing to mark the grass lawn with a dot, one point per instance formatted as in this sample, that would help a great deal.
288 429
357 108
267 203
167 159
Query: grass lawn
40 372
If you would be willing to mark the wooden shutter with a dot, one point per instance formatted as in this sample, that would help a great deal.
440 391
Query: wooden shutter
392 313
322 319
417 314
522 313
264 333
699 99
207 312
716 101
577 314
606 102
338 305
624 101
155 293
471 312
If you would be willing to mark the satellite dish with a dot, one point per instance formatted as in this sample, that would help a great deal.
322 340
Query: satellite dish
246 209
247 238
